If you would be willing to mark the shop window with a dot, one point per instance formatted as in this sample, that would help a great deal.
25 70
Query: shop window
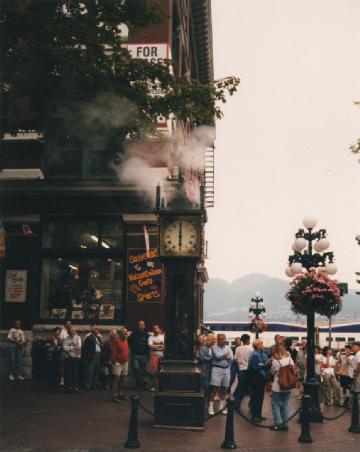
81 234
112 234
81 288
53 234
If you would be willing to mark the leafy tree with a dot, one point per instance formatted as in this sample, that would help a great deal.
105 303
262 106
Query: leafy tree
63 64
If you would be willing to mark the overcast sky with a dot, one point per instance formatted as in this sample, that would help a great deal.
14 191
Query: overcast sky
282 146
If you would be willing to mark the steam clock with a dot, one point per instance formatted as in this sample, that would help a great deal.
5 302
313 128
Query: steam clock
180 401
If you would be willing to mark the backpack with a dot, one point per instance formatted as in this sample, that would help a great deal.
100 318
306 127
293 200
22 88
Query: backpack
287 377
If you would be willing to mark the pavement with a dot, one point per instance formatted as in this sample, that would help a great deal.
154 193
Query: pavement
33 420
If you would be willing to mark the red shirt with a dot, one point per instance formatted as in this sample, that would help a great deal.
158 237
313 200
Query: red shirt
119 351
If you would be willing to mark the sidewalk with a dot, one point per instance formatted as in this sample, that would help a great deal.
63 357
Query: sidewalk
33 420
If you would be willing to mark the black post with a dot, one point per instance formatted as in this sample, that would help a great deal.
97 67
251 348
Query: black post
311 384
305 436
132 441
229 442
355 427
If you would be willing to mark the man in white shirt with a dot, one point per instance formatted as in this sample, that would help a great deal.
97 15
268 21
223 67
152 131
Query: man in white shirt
72 349
16 338
242 356
156 344
65 330
355 363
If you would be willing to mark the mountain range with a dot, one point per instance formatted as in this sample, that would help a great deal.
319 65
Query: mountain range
230 301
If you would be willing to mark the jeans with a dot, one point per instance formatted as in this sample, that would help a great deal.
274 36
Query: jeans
280 404
71 373
257 384
91 371
139 363
242 388
15 359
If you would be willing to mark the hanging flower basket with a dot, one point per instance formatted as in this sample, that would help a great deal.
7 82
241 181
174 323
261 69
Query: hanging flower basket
258 325
314 291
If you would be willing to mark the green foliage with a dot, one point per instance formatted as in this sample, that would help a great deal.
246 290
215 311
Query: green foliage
59 57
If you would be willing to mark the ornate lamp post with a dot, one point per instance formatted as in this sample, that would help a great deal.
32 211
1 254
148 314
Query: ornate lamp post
305 259
257 313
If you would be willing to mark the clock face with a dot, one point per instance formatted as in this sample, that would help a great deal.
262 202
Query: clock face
180 237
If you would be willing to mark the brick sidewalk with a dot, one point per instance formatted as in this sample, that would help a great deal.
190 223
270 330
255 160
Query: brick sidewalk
36 421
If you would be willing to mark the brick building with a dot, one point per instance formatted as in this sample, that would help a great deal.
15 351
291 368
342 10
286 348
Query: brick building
76 237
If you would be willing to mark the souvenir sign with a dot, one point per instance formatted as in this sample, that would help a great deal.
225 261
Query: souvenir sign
15 286
144 278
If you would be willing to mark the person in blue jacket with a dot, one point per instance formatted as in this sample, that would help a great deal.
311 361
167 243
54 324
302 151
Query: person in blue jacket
259 365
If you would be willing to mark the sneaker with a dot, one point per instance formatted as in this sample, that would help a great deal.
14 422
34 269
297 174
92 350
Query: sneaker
116 399
211 412
11 377
225 411
152 389
20 377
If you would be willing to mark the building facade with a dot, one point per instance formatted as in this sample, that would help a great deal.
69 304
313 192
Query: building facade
82 244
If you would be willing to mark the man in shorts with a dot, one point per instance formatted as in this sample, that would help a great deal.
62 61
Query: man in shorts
222 357
119 358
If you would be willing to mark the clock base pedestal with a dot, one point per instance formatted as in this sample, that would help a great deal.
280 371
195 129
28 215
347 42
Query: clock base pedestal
180 402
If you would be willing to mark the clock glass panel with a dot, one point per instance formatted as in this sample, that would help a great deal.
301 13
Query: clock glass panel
180 237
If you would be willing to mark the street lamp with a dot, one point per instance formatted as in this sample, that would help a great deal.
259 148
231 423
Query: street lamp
305 259
257 311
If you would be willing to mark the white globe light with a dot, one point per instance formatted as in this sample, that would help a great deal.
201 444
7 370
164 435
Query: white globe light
309 222
323 244
317 248
331 269
289 272
250 316
296 268
299 244
257 294
293 247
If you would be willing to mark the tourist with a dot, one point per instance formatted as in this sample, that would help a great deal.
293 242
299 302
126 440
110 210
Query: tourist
119 358
222 357
234 365
72 349
17 341
242 356
277 340
301 366
54 358
258 374
91 354
64 334
355 364
331 387
156 344
139 347
318 371
344 369
288 344
280 398
204 361
106 372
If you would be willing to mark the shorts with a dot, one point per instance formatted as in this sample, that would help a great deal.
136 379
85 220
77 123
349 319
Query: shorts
220 377
120 369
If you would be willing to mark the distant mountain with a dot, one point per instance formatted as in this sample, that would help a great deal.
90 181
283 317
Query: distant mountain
230 301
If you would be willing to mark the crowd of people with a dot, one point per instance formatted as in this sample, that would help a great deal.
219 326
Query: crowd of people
250 370
74 363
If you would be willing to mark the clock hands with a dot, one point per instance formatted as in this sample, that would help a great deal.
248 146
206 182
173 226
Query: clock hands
180 235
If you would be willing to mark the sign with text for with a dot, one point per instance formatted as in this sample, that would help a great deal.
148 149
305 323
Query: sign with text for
15 286
152 52
144 276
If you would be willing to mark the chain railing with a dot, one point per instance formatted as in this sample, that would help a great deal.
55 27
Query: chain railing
269 426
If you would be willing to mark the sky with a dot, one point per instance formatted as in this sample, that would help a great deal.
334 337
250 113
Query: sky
282 146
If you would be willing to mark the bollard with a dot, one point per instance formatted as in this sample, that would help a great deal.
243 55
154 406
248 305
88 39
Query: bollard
355 428
305 436
229 442
132 441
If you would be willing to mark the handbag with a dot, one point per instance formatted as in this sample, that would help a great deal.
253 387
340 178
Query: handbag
287 377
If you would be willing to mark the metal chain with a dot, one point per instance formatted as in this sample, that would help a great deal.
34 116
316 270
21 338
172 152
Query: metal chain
338 416
272 425
211 416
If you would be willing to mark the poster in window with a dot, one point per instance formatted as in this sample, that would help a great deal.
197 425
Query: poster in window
57 313
144 276
77 315
107 311
15 286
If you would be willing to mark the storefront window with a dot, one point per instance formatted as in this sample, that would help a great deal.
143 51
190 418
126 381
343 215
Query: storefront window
79 289
82 269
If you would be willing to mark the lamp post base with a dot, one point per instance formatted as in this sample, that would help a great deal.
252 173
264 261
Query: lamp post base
311 388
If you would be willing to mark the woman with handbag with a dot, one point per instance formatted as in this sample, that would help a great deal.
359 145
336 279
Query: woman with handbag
283 369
